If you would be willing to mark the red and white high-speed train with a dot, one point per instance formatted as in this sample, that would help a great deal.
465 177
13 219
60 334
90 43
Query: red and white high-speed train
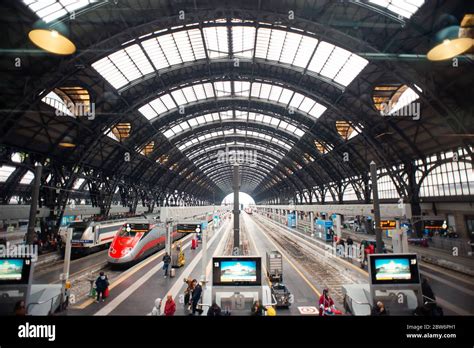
136 240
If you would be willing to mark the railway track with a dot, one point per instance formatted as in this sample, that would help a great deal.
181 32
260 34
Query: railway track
313 259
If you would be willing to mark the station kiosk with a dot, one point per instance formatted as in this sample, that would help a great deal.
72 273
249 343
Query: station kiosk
394 280
236 285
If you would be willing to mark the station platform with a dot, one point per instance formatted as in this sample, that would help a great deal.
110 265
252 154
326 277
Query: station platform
454 291
135 290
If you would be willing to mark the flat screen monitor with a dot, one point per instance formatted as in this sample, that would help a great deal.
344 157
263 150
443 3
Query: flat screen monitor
14 270
394 269
235 271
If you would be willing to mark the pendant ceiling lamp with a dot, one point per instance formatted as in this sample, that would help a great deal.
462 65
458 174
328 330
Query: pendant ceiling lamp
67 143
52 38
452 41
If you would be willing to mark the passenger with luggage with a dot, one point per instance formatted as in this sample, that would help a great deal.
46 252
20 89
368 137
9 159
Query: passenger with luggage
196 297
326 304
102 284
214 310
170 306
166 263
194 243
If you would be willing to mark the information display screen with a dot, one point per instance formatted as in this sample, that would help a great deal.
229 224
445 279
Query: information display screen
394 269
14 270
188 228
237 271
11 269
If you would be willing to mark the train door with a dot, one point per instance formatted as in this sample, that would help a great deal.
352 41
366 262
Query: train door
95 231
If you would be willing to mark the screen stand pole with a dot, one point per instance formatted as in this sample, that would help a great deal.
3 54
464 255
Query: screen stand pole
375 193
236 187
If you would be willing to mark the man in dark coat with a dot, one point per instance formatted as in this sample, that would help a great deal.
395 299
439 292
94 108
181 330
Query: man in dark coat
196 296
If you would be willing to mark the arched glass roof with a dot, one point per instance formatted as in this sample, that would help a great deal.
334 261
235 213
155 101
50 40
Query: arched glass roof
250 117
146 55
199 92
233 133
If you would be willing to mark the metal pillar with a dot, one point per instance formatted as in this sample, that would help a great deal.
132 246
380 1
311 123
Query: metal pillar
236 187
30 236
375 192
311 220
169 230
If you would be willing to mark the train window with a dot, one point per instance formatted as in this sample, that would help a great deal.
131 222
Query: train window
130 230
78 229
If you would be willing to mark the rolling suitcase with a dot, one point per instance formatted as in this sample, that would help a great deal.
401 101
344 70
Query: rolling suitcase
172 272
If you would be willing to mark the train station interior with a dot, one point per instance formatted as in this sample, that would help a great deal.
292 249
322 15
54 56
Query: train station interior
288 158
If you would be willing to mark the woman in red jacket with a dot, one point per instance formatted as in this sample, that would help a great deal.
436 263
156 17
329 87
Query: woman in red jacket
170 306
325 303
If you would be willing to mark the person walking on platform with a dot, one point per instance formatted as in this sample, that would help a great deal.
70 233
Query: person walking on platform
257 309
102 283
196 296
214 310
166 263
170 306
188 293
157 308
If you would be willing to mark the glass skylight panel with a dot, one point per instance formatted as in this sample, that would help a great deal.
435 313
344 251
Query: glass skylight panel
156 54
296 100
110 72
16 157
351 69
323 51
139 59
178 96
50 10
407 97
56 102
169 133
123 62
243 41
168 102
222 88
216 41
405 8
27 178
78 183
335 62
242 89
5 172
317 110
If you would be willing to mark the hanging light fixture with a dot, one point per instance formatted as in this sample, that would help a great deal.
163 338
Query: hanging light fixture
452 41
67 143
52 39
